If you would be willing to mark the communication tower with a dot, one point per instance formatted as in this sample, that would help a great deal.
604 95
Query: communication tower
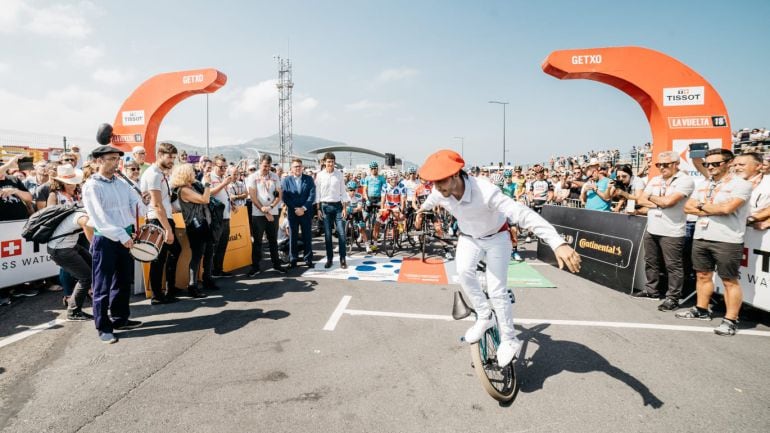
285 86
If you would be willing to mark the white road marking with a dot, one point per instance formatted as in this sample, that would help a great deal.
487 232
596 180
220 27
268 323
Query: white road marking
29 332
591 323
335 317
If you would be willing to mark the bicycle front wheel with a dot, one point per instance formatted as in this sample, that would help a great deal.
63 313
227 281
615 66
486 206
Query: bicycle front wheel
500 383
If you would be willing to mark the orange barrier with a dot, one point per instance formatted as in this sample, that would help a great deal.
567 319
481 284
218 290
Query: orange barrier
238 253
680 105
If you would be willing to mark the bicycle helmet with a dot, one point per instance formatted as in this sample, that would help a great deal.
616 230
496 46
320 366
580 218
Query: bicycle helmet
507 173
392 174
374 164
352 184
412 170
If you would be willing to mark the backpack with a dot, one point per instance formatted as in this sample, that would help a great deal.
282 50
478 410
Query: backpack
41 224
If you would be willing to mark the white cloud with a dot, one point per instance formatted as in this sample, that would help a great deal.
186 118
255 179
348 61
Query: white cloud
56 20
88 54
306 104
371 106
257 99
71 111
396 74
60 21
111 76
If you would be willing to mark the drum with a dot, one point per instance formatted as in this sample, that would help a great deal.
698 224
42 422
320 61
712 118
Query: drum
149 240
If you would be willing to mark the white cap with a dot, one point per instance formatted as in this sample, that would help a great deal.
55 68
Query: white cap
138 149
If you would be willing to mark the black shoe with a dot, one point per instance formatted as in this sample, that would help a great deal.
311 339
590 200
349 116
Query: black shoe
328 264
310 265
78 316
128 324
646 295
210 285
193 292
158 301
668 305
292 265
343 264
280 269
254 272
221 274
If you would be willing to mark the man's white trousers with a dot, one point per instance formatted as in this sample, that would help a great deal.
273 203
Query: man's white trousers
496 251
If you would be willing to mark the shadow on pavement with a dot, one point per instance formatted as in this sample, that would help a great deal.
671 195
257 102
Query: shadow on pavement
555 356
222 322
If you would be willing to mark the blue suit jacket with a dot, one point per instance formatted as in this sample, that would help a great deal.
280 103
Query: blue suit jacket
294 198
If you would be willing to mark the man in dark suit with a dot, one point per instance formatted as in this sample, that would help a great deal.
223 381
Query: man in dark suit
299 196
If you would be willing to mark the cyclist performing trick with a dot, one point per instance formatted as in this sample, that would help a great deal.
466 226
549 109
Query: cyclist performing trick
484 215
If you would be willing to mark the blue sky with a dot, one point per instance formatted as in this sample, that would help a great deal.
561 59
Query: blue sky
401 76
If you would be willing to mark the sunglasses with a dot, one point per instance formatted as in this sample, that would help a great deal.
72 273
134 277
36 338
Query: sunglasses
713 164
252 169
68 160
664 164
132 169
221 166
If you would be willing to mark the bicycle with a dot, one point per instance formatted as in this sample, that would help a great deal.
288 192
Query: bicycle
391 235
353 231
499 382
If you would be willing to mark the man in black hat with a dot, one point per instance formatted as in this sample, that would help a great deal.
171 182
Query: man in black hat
111 207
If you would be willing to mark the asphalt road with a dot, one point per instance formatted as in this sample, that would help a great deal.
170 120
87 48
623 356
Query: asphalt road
255 357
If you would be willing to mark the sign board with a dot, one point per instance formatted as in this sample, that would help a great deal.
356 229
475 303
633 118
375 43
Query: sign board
608 243
755 269
22 261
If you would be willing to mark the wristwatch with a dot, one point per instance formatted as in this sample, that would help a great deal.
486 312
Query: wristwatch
700 206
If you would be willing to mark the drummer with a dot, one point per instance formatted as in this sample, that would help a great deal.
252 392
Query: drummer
111 207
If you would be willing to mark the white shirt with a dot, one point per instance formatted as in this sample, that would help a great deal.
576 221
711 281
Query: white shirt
723 228
111 206
330 187
153 179
69 225
265 187
760 196
672 220
483 209
222 195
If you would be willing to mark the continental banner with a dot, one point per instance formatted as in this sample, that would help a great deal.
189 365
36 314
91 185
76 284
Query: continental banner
608 243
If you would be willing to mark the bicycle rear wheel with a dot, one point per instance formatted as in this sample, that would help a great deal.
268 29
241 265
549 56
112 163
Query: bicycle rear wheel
500 383
388 241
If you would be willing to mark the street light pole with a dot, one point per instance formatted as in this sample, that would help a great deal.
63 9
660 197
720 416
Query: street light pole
503 104
462 145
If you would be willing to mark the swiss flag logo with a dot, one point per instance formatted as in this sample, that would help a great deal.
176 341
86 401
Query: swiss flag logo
10 248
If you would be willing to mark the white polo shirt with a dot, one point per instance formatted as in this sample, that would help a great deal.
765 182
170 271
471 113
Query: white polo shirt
723 228
672 220
265 187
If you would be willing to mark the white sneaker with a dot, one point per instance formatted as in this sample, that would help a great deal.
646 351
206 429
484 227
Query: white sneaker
506 351
368 248
528 239
475 332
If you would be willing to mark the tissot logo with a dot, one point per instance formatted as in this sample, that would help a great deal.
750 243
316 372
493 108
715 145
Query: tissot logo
10 248
673 96
133 118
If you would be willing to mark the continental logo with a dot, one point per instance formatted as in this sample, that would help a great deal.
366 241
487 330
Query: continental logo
235 237
605 248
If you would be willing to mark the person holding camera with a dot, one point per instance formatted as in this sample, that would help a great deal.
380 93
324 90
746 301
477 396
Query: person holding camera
220 182
194 200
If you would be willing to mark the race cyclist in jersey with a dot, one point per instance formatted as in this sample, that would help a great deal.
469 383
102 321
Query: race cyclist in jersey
372 190
356 213
393 201
484 215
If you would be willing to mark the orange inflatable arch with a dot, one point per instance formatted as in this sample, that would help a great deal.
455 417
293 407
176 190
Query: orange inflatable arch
139 118
680 105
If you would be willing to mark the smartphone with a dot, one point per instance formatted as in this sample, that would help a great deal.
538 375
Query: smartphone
25 163
698 150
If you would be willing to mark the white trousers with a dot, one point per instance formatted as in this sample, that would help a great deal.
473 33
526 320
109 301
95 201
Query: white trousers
496 250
